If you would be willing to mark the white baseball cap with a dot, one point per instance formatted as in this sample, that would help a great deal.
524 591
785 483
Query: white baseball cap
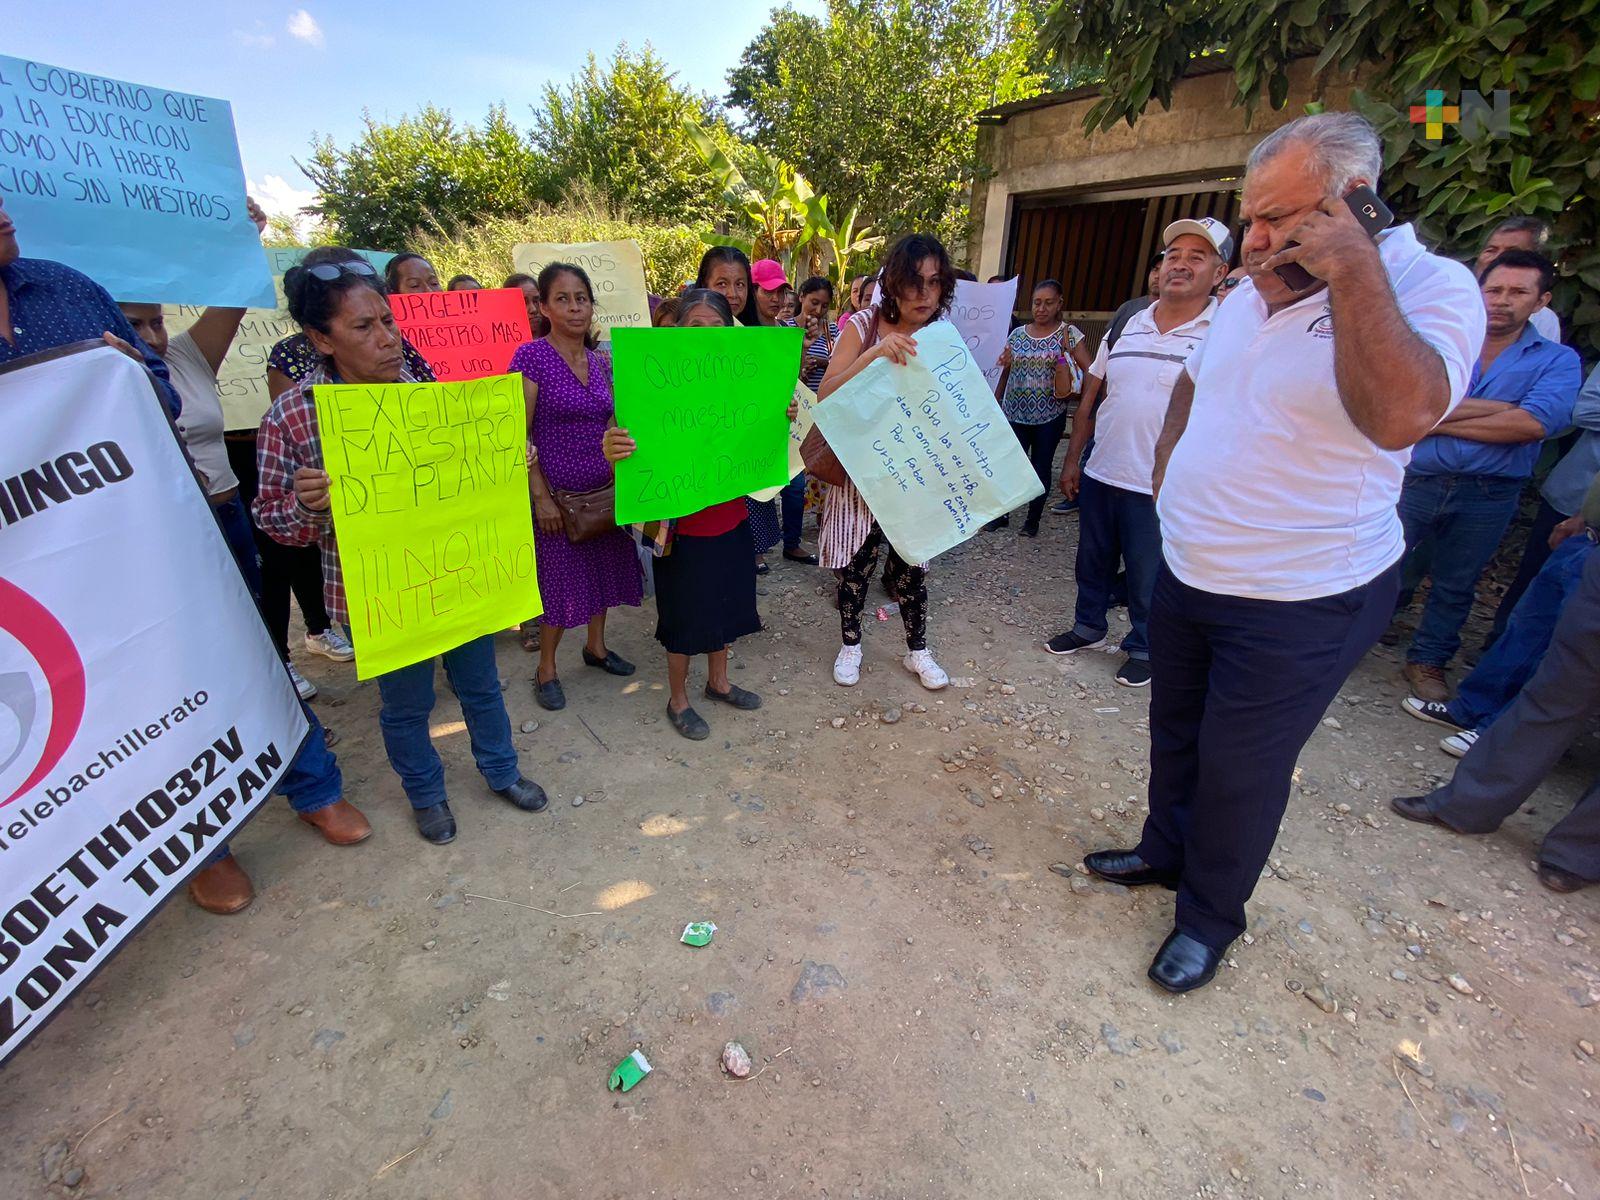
1213 230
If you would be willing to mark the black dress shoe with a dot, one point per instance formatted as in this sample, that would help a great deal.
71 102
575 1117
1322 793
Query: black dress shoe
525 794
611 664
1414 808
437 823
549 695
1128 869
1183 964
1558 879
736 696
800 556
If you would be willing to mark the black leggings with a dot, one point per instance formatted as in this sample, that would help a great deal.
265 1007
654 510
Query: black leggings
284 569
1039 443
907 584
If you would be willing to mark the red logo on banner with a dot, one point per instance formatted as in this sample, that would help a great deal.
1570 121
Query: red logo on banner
45 640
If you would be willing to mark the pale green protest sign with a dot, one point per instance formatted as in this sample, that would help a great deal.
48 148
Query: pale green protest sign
927 446
429 488
707 409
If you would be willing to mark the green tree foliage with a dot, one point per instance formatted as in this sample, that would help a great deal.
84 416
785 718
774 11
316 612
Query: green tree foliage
876 102
1544 54
424 171
620 129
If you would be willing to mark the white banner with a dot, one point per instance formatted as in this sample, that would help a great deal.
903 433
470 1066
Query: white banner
981 312
144 713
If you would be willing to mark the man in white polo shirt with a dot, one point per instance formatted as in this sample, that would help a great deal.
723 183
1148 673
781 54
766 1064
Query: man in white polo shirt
1116 512
1276 479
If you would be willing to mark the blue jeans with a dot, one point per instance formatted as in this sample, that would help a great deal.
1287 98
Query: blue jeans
1465 516
1534 556
792 500
407 696
1116 523
1516 654
313 779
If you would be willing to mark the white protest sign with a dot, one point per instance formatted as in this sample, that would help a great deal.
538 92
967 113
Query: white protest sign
804 398
144 713
981 313
616 269
927 446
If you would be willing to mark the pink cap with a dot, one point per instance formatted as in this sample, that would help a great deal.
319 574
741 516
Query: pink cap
768 274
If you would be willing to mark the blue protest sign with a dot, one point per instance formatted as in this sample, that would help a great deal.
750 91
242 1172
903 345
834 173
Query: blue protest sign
138 187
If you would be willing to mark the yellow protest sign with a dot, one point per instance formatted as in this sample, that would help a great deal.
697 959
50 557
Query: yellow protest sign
615 268
242 381
429 485
804 398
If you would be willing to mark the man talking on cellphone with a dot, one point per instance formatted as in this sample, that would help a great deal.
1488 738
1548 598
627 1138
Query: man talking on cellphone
1276 477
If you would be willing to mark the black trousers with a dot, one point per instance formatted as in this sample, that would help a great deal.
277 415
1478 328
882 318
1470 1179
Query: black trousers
1039 443
284 569
1238 687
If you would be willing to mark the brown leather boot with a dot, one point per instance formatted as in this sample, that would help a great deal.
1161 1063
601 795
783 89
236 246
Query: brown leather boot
340 822
222 888
1427 682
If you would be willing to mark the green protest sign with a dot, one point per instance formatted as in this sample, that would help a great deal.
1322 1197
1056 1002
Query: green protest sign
707 409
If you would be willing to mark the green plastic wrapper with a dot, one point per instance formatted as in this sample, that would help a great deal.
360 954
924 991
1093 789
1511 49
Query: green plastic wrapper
629 1072
697 933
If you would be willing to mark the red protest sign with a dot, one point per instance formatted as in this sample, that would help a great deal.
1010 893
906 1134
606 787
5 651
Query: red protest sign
464 335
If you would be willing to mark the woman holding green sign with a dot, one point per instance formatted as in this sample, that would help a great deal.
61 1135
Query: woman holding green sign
587 566
705 591
916 287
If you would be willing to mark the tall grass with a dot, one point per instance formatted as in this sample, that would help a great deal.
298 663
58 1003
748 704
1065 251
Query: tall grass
483 250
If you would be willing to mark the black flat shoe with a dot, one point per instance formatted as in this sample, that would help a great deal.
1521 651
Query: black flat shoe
809 560
1030 529
763 569
437 823
997 523
1183 964
689 723
525 794
611 664
736 696
1128 869
549 695
1414 808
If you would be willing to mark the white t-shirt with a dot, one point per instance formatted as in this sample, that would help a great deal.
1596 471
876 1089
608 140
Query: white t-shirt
1272 493
1546 324
1139 373
200 423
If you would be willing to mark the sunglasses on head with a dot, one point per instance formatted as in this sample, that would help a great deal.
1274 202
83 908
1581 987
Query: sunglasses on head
328 272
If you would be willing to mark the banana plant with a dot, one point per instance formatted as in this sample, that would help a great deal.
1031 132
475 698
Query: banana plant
845 241
782 211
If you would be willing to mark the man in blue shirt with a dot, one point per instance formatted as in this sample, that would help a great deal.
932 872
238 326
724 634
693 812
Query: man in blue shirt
44 305
1464 481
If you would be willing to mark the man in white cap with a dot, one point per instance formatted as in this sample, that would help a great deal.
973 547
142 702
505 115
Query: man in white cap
1277 475
1134 371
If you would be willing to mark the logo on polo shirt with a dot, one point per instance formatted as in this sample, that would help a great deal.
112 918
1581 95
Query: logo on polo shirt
1322 327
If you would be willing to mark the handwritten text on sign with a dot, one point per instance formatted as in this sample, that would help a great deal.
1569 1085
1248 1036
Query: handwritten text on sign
616 269
430 505
242 381
927 446
138 187
464 335
707 410
981 313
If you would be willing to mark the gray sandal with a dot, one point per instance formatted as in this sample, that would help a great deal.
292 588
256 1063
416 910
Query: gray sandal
689 723
736 696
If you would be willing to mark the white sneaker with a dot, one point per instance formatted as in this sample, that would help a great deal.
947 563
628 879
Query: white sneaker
330 643
302 685
847 667
920 663
1457 744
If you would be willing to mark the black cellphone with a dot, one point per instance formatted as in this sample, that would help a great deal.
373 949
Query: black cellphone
1374 216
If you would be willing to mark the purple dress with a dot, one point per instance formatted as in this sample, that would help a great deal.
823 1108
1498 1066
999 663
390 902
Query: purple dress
576 582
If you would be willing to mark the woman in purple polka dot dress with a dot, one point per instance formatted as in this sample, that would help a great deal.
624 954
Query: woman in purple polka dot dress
568 391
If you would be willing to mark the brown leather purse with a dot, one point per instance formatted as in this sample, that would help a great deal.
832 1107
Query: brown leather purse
821 462
587 515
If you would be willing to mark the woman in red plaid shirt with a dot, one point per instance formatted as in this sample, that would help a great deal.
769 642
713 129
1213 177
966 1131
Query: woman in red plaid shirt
347 318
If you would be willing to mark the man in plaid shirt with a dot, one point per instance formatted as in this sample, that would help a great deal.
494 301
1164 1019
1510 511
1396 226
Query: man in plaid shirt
344 312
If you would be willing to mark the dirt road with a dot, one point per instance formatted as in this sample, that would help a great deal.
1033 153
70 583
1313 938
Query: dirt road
932 1011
